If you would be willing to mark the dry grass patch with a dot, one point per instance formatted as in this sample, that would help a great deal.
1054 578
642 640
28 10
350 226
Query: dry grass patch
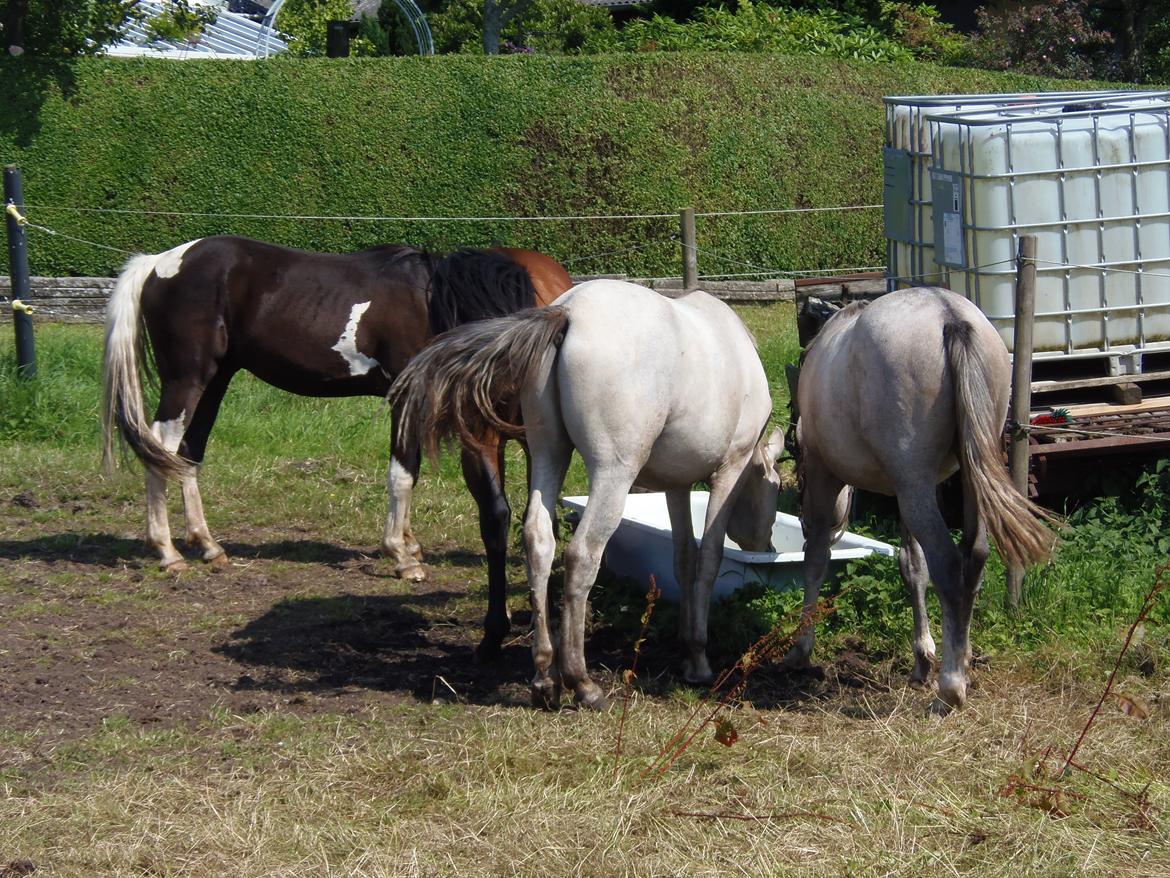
866 788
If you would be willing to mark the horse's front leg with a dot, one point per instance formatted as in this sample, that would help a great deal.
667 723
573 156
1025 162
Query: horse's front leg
824 509
678 504
398 543
725 484
483 470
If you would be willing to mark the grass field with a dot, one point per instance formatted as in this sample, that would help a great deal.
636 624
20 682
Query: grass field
303 713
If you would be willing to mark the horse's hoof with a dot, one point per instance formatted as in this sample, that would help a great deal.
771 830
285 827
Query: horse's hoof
920 676
698 672
939 708
488 652
592 699
797 660
175 567
411 571
952 695
219 561
546 694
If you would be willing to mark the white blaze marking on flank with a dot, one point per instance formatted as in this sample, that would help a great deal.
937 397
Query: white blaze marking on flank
169 263
359 363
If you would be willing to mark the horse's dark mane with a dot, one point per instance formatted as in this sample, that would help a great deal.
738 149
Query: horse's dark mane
472 285
848 312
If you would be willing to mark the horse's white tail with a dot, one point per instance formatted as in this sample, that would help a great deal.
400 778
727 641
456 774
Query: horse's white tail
123 407
459 385
1016 524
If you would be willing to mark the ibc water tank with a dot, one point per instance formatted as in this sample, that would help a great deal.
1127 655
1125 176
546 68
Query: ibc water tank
1087 173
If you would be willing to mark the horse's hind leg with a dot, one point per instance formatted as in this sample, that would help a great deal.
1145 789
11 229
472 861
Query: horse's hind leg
193 447
170 423
158 528
550 455
975 550
824 509
398 543
912 564
921 516
603 513
483 470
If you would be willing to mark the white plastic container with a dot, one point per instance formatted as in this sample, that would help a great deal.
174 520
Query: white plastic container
1088 173
642 546
911 254
1092 186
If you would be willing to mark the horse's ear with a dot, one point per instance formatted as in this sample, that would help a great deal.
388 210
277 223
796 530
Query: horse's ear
775 446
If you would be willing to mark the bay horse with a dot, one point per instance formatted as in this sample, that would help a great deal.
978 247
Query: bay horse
894 396
650 391
315 324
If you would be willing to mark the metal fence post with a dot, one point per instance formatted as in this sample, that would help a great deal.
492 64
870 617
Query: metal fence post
26 355
1021 390
689 254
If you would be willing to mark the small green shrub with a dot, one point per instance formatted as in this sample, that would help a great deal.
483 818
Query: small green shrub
755 27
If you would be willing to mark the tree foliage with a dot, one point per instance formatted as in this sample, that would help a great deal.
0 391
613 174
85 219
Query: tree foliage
756 27
1052 38
306 23
62 28
546 26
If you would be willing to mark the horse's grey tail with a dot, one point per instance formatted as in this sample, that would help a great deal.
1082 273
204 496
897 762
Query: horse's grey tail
466 384
125 360
1016 524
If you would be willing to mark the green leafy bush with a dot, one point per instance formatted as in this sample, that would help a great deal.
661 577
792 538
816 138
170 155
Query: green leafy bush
306 22
755 27
180 22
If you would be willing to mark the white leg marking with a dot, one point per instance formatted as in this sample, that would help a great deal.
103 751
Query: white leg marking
198 534
158 529
359 363
395 538
169 263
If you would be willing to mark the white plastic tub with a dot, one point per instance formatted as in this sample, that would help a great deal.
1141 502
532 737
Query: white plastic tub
642 546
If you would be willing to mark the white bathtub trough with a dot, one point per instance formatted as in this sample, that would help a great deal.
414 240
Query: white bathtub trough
642 546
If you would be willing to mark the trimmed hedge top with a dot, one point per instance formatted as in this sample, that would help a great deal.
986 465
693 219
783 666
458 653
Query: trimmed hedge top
464 136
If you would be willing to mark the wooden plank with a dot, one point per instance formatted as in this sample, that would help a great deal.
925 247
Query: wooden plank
1105 381
1100 445
1089 410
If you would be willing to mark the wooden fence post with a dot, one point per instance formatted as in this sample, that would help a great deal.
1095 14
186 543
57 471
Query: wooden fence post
1021 390
26 355
689 254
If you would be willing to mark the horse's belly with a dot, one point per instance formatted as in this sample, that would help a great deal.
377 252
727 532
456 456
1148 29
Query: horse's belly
879 477
676 462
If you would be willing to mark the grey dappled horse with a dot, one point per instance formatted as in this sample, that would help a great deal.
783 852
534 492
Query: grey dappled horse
650 391
894 396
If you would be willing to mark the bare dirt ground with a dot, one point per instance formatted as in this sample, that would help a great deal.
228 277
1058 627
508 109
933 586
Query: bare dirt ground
91 630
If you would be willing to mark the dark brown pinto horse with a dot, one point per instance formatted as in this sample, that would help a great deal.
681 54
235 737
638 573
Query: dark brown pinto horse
316 324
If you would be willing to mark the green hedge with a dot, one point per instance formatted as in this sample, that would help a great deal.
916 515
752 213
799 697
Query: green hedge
464 136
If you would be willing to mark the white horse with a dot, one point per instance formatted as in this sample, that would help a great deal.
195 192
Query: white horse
893 397
650 391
